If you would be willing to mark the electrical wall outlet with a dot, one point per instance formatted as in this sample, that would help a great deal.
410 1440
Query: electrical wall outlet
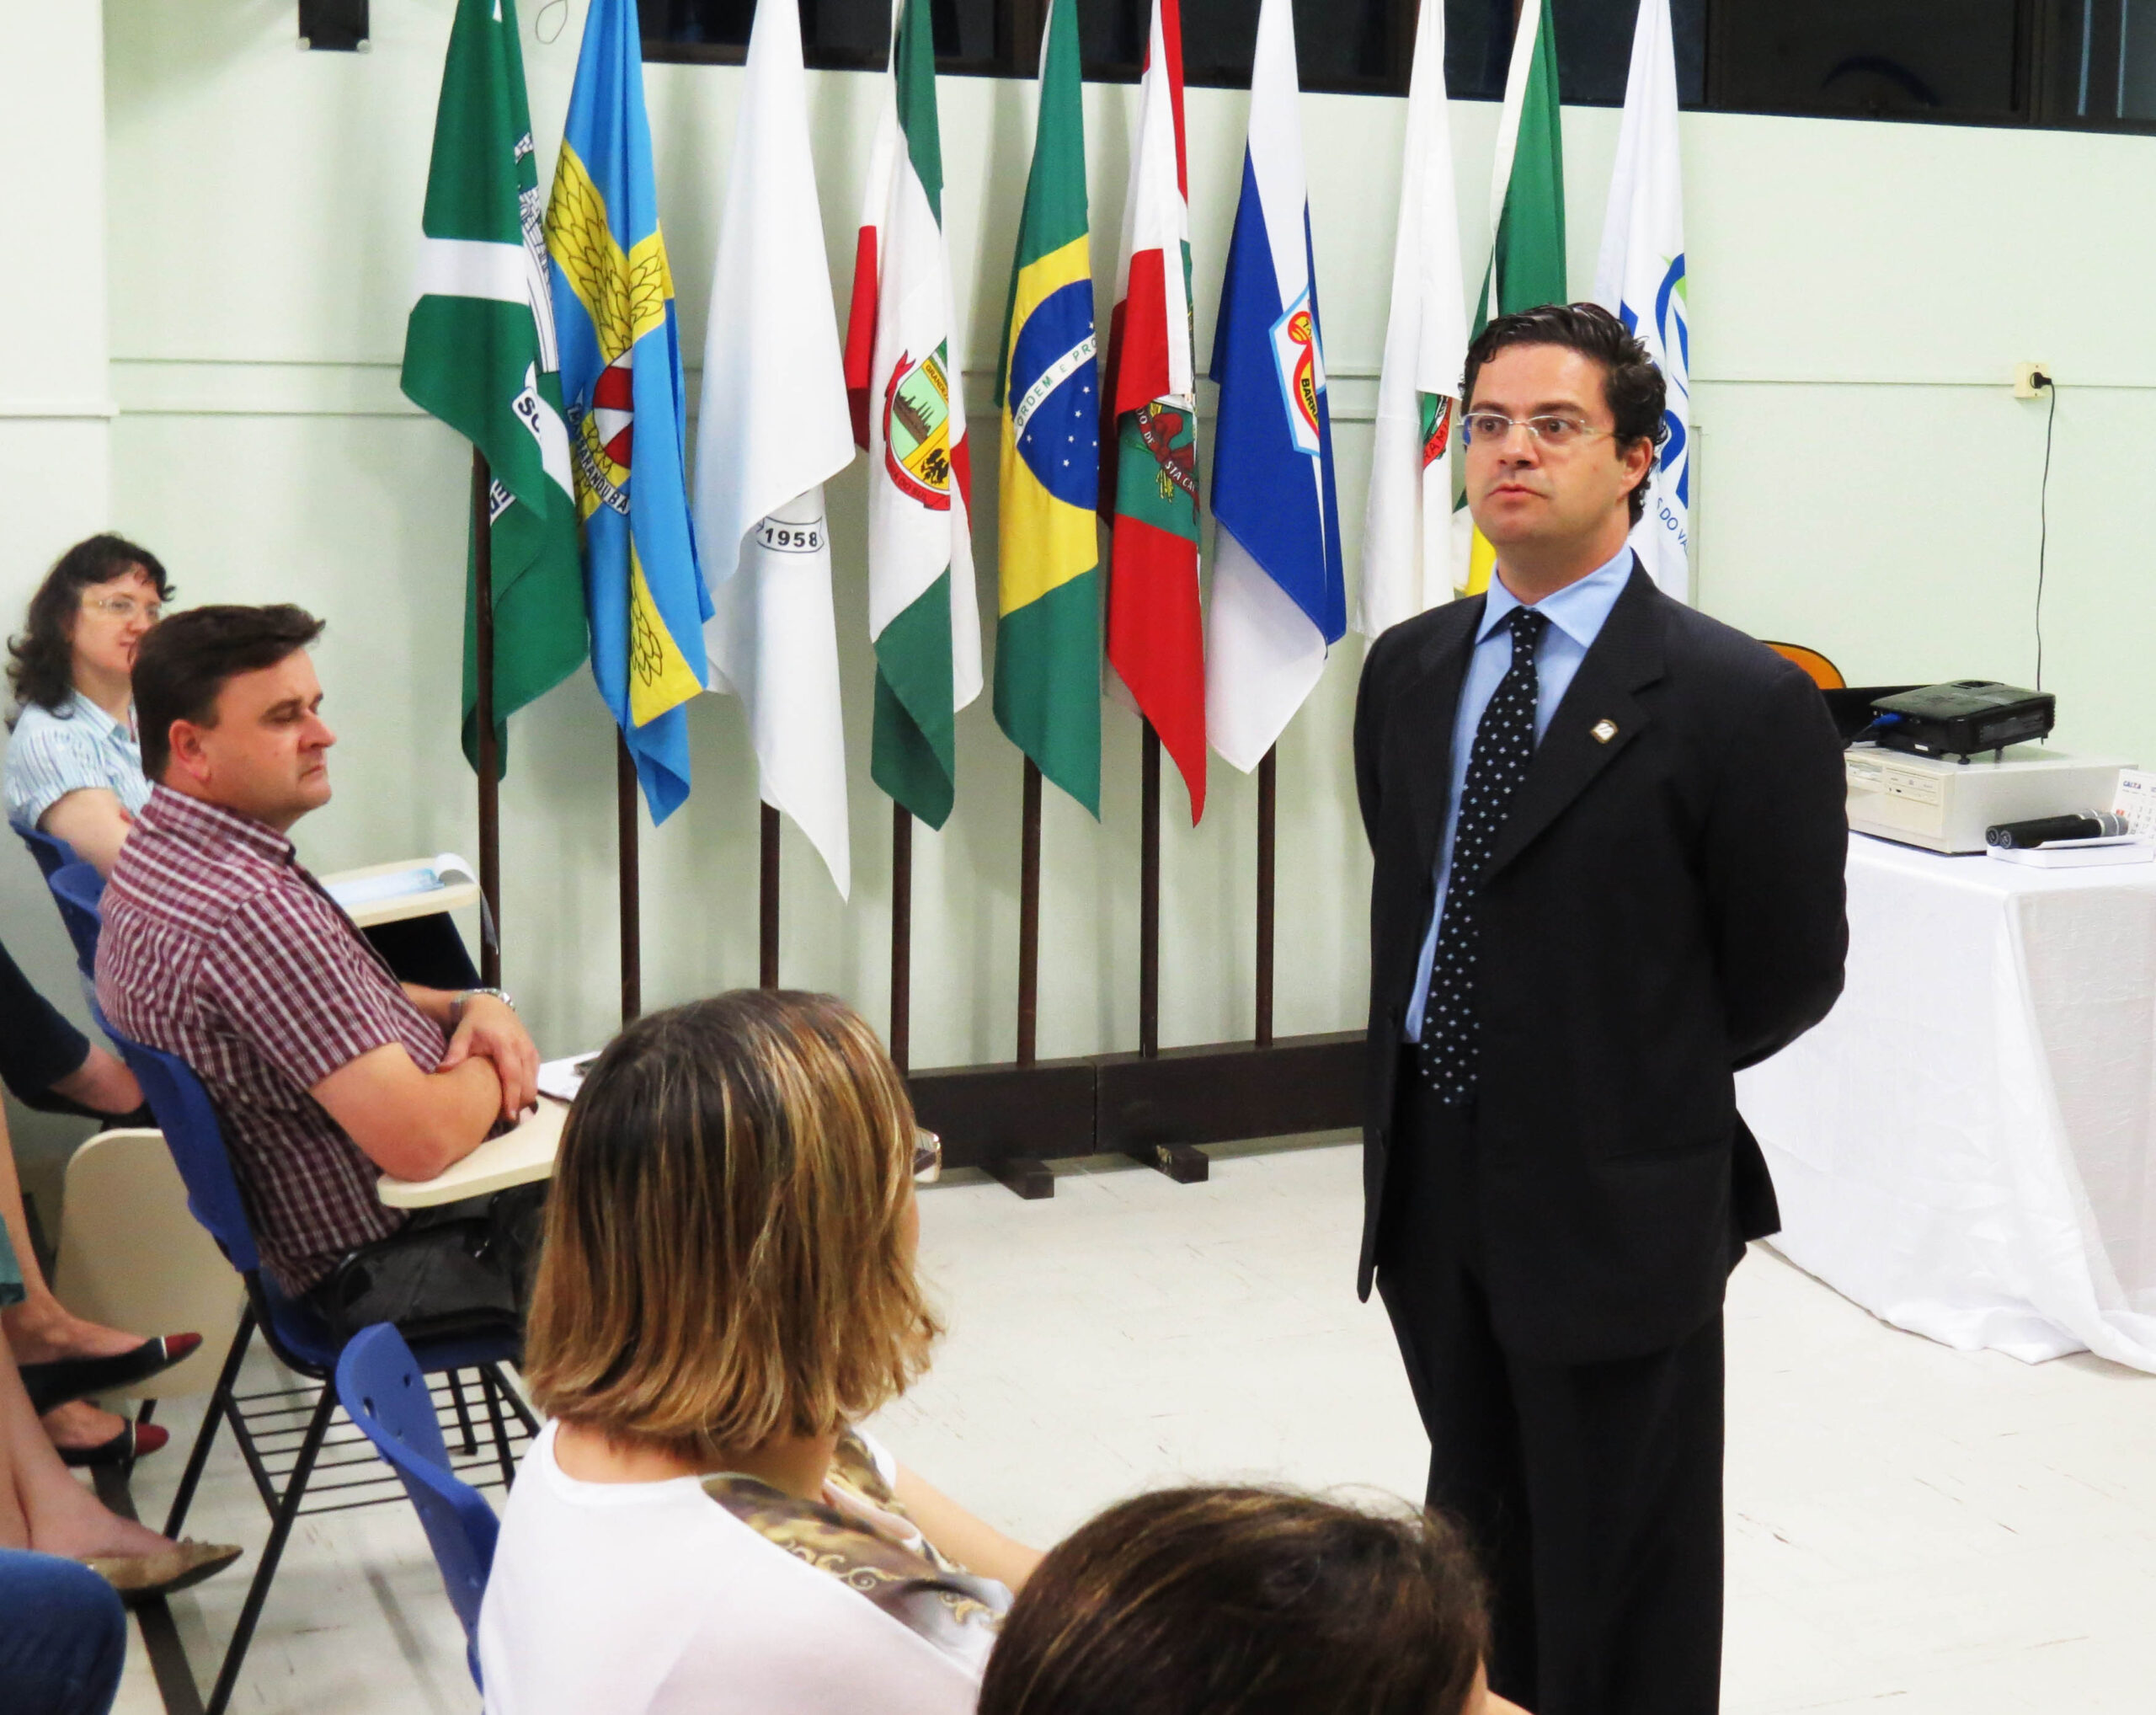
2025 380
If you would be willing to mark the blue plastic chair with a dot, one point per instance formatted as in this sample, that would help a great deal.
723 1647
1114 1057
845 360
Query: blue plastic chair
79 891
295 1335
379 1382
50 850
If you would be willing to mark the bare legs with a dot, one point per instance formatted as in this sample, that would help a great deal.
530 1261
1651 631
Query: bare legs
41 1505
41 1329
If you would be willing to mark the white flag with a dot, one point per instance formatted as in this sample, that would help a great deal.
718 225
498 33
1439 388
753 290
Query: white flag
1407 528
772 428
1640 279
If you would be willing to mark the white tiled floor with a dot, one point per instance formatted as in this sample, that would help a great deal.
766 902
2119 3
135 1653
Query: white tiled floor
1935 1532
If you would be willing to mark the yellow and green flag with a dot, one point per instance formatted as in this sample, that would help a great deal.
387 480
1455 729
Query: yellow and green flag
1527 207
1048 633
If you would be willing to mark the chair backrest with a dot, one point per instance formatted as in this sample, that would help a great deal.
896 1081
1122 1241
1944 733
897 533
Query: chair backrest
131 1255
382 1390
50 850
197 1142
79 891
1824 673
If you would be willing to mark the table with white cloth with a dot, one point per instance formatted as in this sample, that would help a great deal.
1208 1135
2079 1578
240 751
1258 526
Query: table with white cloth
1964 1146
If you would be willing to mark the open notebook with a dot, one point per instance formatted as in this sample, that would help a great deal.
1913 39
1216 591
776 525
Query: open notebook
429 875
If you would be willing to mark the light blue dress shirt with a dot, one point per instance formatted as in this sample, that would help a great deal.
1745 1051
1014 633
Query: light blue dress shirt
1576 614
50 755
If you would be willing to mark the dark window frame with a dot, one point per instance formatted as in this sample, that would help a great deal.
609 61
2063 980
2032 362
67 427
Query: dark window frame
2045 78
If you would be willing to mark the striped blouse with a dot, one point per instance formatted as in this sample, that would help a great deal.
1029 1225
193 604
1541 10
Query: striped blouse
81 747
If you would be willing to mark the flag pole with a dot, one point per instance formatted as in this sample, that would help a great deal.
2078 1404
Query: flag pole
483 649
1029 915
625 816
1267 794
901 935
1148 897
767 901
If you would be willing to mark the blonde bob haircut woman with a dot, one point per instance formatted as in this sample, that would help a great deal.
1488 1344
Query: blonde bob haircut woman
729 1255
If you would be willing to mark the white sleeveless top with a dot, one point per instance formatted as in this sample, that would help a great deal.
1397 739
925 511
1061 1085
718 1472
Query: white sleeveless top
653 1598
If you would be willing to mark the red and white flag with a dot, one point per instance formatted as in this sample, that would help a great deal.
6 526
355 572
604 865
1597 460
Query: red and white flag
1148 444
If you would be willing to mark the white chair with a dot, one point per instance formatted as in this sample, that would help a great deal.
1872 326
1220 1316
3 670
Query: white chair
131 1256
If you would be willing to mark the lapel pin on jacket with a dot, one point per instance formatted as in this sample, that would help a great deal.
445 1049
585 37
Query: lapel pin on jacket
1604 731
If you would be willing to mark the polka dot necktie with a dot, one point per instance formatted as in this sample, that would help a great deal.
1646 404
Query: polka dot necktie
1504 745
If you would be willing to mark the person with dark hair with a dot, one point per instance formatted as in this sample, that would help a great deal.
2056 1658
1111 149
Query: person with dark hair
220 947
1608 839
74 767
727 1288
1247 1601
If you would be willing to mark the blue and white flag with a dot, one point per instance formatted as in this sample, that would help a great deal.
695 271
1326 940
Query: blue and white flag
1640 279
622 391
1279 599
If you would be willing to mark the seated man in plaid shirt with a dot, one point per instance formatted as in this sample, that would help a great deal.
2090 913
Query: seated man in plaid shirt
219 947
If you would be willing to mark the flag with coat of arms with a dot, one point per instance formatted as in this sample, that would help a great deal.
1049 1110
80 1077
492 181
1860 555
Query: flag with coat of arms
1155 625
1408 553
908 412
1280 600
1639 279
480 354
621 388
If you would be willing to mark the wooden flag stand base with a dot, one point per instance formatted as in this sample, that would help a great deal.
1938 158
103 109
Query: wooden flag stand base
1013 1120
1156 1107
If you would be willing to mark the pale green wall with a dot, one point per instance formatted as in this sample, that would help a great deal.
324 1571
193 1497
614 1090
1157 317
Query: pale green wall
55 401
1860 294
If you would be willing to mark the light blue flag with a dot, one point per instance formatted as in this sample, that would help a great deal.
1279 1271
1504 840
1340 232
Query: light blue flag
622 394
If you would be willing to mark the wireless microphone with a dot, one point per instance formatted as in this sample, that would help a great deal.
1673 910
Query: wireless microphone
2044 831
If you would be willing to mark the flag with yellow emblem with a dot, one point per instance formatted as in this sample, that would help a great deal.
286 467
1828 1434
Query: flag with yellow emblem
622 391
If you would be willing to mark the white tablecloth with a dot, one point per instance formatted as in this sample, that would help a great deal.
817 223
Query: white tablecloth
1964 1146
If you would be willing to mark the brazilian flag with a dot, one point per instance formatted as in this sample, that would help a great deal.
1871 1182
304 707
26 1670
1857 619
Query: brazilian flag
1048 633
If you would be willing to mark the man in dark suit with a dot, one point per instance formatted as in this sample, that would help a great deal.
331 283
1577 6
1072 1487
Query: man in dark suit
1609 835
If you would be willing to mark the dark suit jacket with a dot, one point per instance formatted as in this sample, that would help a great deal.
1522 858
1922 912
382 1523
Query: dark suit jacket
1664 908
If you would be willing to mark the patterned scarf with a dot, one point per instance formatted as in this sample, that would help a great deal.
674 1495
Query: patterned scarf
861 1536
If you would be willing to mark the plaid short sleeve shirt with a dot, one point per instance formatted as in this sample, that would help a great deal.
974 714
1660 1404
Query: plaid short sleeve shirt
220 947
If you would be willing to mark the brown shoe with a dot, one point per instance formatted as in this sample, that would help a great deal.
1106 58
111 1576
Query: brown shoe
139 1577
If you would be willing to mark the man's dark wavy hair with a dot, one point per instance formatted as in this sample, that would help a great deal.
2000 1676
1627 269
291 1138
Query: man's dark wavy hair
1632 386
40 668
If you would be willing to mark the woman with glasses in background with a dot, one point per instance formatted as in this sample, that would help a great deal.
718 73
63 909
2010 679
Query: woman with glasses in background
74 766
74 771
726 1290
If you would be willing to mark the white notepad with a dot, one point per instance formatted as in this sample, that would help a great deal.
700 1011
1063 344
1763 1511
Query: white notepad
444 870
563 1078
2077 854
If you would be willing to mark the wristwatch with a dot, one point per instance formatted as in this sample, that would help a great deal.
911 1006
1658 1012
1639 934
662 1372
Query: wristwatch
457 1006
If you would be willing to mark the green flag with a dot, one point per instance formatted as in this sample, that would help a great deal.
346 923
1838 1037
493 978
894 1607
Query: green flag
1527 205
1048 637
479 353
